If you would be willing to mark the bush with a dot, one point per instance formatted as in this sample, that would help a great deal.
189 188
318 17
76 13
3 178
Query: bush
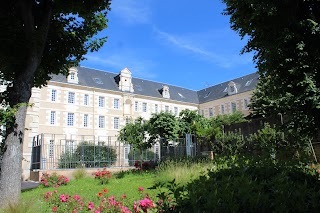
79 174
249 186
137 155
88 155
53 180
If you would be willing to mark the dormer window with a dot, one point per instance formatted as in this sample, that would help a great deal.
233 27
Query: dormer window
124 80
165 92
232 88
73 76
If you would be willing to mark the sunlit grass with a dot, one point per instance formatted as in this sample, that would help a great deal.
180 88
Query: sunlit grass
183 170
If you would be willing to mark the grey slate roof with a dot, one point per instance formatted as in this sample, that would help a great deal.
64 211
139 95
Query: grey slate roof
243 84
88 77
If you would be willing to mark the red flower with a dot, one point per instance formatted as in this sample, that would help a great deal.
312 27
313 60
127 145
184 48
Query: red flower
55 208
99 194
105 190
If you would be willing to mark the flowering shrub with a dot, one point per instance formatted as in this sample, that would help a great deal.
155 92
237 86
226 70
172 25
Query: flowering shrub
61 203
53 180
103 175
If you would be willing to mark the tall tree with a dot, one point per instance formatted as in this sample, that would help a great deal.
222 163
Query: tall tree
135 134
284 36
163 125
39 38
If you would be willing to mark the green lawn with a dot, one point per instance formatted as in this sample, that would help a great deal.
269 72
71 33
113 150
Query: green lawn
89 189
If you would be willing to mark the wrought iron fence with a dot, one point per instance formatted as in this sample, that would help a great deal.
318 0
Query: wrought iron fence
57 152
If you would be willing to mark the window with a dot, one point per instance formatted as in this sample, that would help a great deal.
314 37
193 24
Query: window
156 108
51 148
166 108
202 112
52 117
69 146
101 101
71 97
210 112
144 107
85 120
116 123
128 120
86 99
70 119
222 109
116 103
53 95
233 106
97 81
176 111
72 76
126 152
101 121
136 106
245 103
232 89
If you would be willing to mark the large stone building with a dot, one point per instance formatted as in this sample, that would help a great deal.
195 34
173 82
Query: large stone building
92 105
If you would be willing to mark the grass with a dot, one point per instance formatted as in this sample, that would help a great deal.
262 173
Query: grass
126 182
88 188
182 170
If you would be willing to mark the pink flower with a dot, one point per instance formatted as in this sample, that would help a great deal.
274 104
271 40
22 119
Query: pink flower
124 209
145 204
112 201
97 211
76 197
140 189
123 196
63 198
55 208
90 205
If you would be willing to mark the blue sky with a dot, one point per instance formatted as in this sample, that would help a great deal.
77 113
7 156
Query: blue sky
183 43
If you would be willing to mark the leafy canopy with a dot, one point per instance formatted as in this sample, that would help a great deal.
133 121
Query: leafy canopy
284 36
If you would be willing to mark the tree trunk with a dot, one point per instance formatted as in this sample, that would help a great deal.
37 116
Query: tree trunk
18 96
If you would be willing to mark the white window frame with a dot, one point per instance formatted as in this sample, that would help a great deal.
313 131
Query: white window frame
70 119
86 100
51 149
144 107
210 112
166 108
156 108
101 101
176 111
85 120
71 97
116 123
101 121
72 76
222 109
233 107
53 95
116 103
53 117
136 106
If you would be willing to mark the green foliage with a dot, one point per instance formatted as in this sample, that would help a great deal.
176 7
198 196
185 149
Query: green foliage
163 125
250 186
88 155
141 155
135 134
79 174
284 37
230 143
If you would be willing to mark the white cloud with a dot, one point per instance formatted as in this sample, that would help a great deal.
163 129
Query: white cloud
132 11
200 45
139 67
